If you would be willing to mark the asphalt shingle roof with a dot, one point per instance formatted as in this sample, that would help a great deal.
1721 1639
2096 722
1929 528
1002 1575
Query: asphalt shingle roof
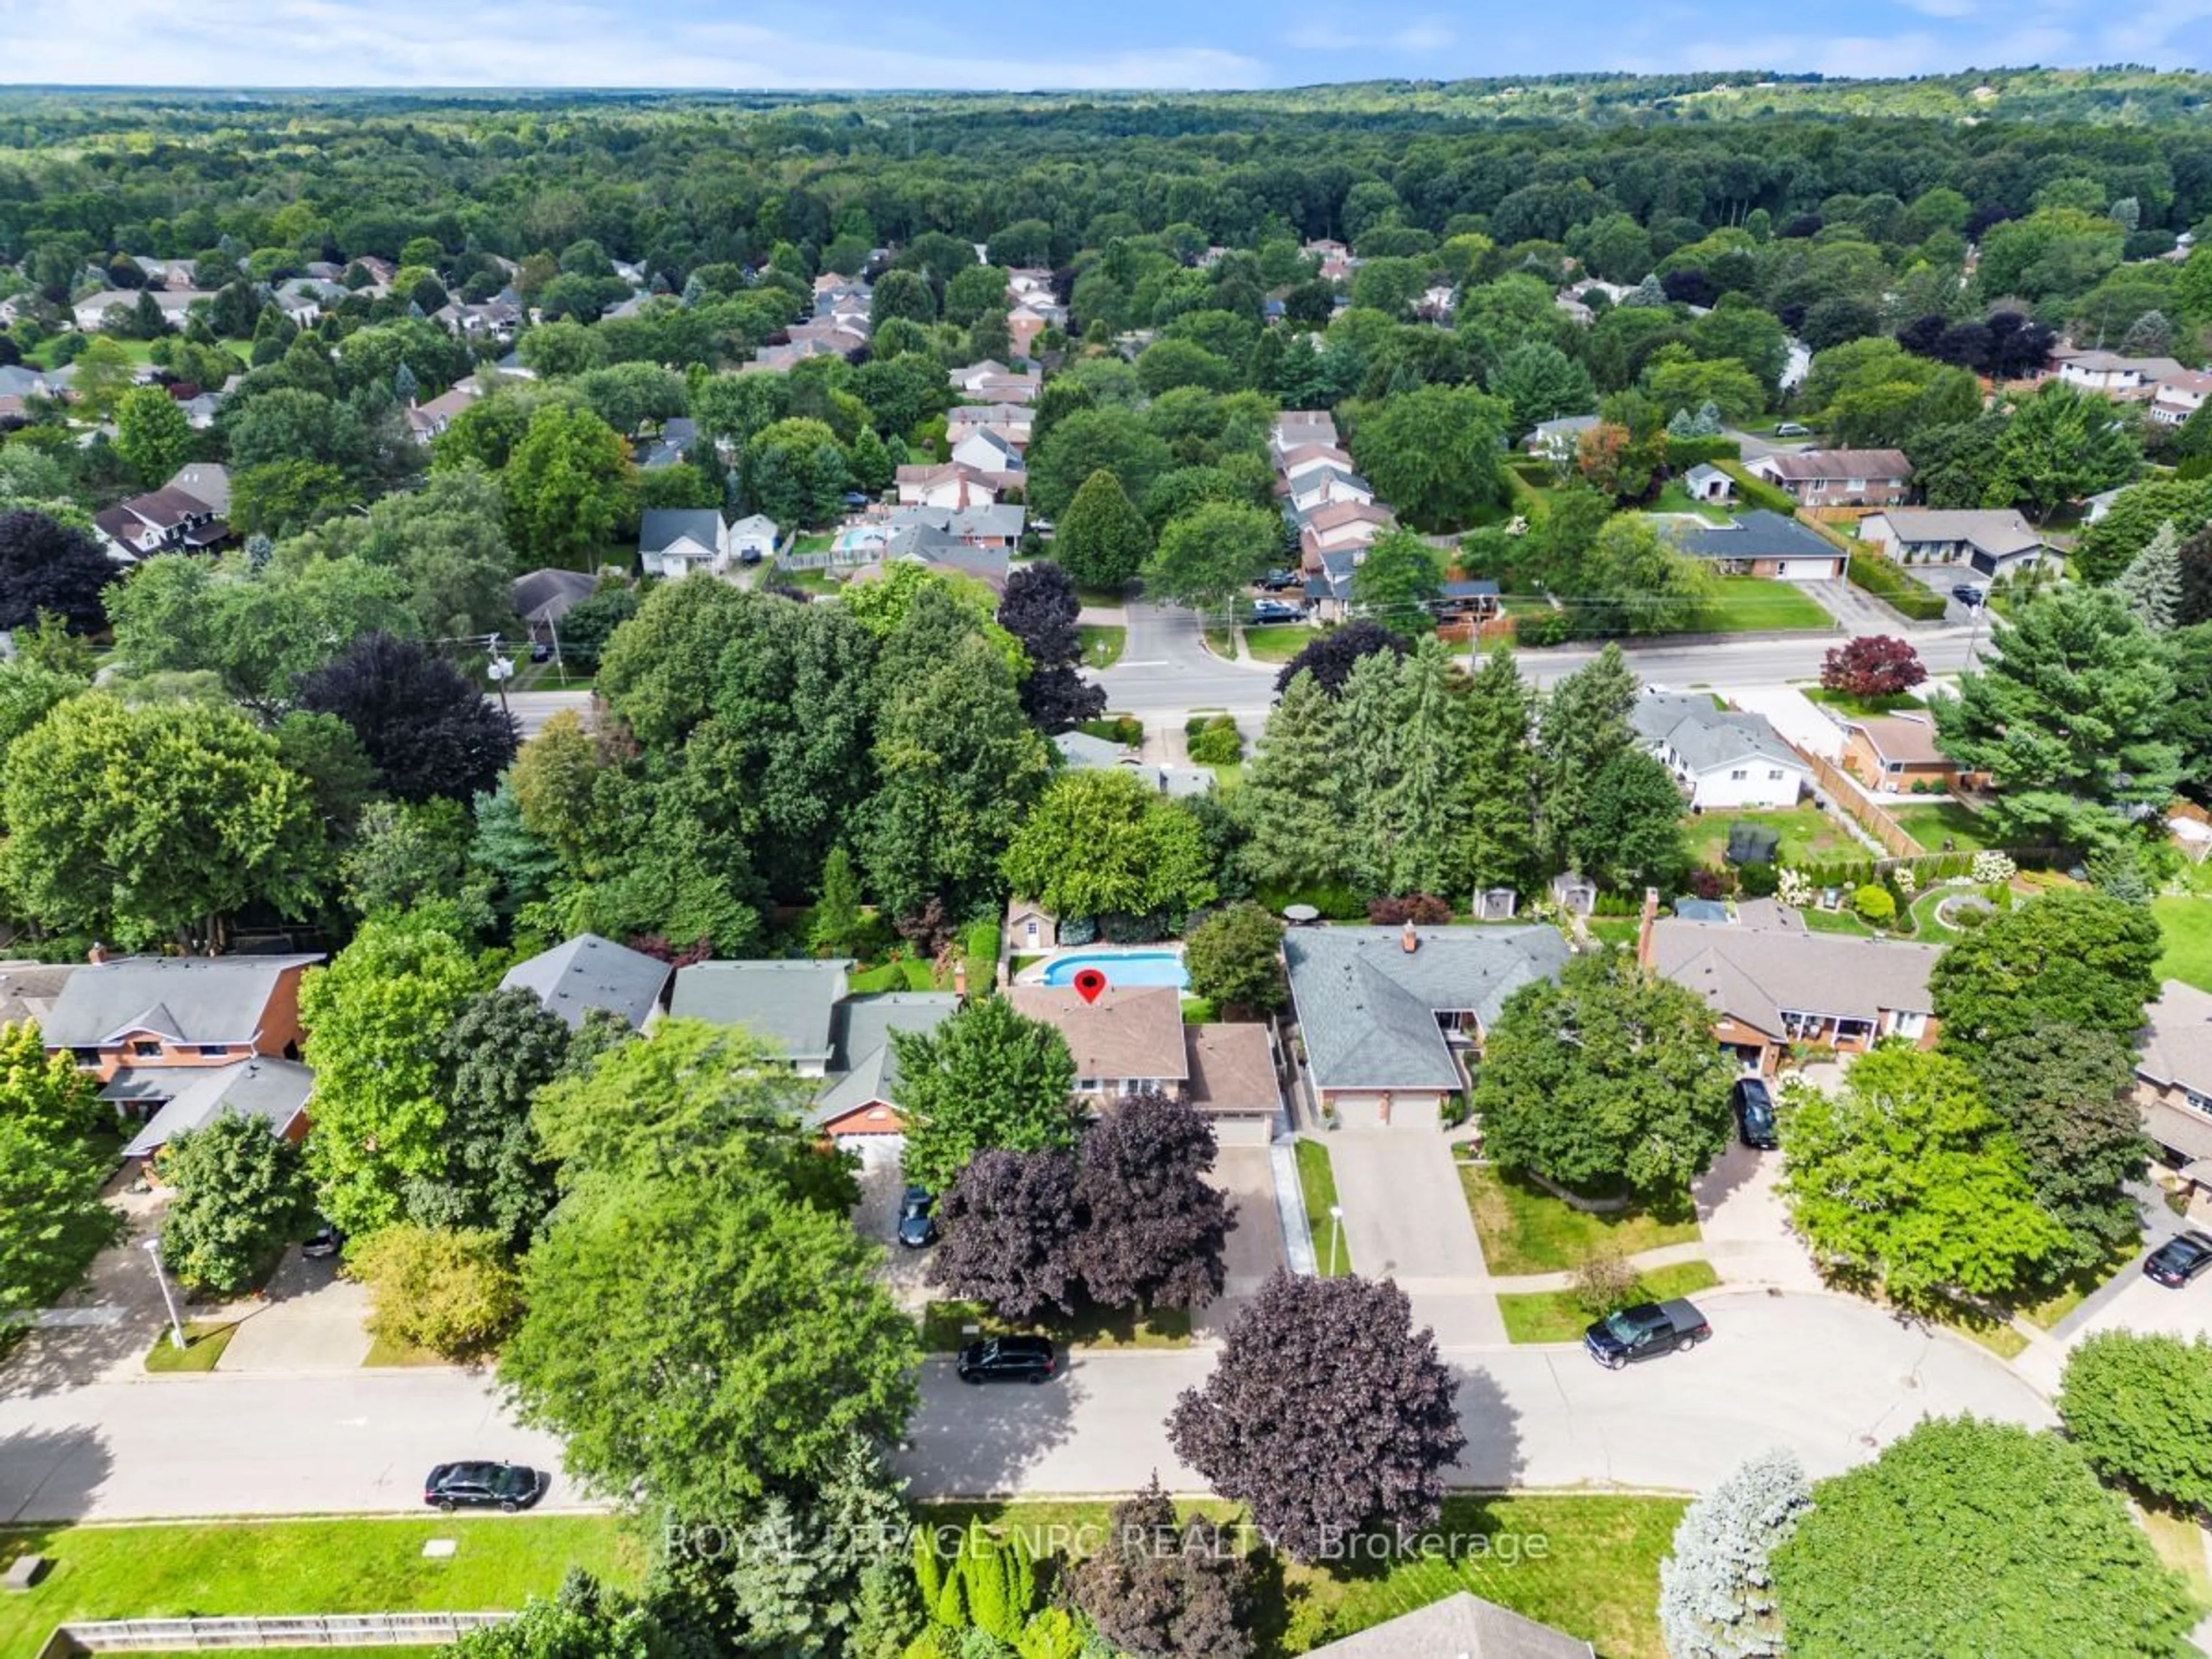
1757 534
1707 737
588 972
2177 1045
274 1091
191 999
791 1003
1752 973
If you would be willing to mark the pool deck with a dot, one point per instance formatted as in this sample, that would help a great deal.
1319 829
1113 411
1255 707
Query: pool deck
1104 955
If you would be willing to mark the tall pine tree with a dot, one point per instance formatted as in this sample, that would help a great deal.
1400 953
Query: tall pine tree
1583 725
1292 800
1497 834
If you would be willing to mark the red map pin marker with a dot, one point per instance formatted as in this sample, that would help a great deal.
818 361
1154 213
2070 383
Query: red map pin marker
1089 982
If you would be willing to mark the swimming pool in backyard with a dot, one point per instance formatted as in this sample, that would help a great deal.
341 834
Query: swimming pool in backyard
1121 968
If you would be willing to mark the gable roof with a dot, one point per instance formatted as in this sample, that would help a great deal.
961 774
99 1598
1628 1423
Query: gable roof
189 1000
1130 1031
1079 750
1754 974
791 1003
1367 1006
205 481
865 1066
274 1091
2177 1038
1909 739
1707 737
588 972
1813 466
1231 1068
1462 1626
27 990
546 596
659 527
1996 531
1757 534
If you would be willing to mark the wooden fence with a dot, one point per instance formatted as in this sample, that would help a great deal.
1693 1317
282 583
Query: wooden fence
1866 812
355 1630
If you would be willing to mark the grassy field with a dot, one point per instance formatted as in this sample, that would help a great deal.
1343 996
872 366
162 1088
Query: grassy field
1929 822
1860 708
944 1328
204 1341
1556 1317
1524 1230
1587 1564
1102 643
1748 604
1808 835
208 1569
2185 919
1279 643
1317 1185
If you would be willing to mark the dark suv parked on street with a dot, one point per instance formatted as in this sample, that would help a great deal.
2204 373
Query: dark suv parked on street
1007 1359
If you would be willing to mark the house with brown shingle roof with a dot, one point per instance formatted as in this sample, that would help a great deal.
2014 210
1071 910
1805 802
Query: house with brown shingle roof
1838 477
1130 1038
1895 752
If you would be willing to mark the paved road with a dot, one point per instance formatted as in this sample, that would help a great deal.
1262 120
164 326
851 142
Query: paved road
532 709
1831 1379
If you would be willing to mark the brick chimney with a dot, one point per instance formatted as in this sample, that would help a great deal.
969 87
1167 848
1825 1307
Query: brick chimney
97 955
960 979
1408 940
1644 925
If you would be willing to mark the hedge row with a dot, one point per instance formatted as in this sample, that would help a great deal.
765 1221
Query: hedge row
1757 492
1882 579
1688 452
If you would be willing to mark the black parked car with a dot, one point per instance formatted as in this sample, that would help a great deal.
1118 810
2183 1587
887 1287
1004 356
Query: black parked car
325 1240
1969 595
2179 1259
916 1226
508 1487
1753 1104
1007 1359
1278 581
1266 611
1644 1332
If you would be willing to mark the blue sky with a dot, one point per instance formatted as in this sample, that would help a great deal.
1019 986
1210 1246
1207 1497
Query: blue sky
1131 44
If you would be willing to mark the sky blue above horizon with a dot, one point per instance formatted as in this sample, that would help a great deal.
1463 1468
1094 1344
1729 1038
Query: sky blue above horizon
1133 44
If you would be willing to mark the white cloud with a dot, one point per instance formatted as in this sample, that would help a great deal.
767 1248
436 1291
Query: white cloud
1424 34
277 43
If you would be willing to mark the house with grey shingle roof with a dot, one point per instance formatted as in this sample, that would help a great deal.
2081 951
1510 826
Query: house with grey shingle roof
792 1004
1722 757
1462 1626
2173 1078
861 1095
1764 544
588 972
1388 1015
275 1091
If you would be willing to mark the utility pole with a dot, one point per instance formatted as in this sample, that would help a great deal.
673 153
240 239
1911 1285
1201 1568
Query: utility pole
152 1248
500 671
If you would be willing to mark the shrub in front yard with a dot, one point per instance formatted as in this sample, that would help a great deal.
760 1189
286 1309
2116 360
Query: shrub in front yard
450 1291
1605 1280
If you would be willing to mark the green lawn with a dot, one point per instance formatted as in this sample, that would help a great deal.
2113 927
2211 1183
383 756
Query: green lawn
2179 1542
807 581
1992 1333
1279 643
210 1569
1317 1186
944 1328
907 973
384 1352
1221 642
820 542
1102 643
1817 920
1587 1564
1808 835
1929 822
1197 1010
1746 605
1673 498
1556 1317
1524 1230
1614 930
2185 919
1861 708
204 1341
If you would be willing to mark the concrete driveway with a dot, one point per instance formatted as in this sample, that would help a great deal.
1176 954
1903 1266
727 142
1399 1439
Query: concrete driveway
1406 1217
882 1182
1254 1251
311 1320
1744 1225
1831 1378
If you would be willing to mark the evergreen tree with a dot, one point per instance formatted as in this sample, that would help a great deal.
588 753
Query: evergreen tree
1291 797
1497 834
835 926
1101 540
1716 1592
1423 802
1582 725
2151 586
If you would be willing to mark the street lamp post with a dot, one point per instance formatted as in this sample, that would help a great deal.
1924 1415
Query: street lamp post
152 1248
501 670
1335 1221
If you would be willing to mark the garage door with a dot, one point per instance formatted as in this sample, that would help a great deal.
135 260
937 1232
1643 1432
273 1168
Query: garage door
1242 1128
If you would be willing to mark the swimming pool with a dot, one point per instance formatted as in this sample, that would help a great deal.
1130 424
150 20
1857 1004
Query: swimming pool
1121 967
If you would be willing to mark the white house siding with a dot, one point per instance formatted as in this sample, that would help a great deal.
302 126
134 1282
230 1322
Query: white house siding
1719 789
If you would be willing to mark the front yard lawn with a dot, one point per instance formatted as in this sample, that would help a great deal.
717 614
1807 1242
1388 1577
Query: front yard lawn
1317 1186
1932 823
944 1328
1524 1230
2179 1542
213 1568
204 1341
2185 919
1595 1573
1279 642
1102 643
1556 1317
1861 708
1748 604
1808 835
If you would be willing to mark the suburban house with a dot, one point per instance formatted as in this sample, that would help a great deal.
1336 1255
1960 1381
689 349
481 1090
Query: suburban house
946 484
1341 526
1013 421
1838 477
1460 1626
1723 758
144 1026
1991 541
1557 439
979 524
989 452
2178 397
588 972
1707 483
275 1091
1081 752
1321 486
1895 752
425 421
674 541
91 312
1132 1038
1763 544
1772 985
2173 1080
1296 462
541 598
670 445
2109 372
165 520
1298 428
860 1097
1386 1014
993 382
205 481
792 1004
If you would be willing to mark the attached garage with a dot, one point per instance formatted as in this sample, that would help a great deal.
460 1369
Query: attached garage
1233 1081
1386 1109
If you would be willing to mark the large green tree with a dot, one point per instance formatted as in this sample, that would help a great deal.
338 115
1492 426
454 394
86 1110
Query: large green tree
1398 583
1608 1078
2067 1095
2069 719
1968 1536
1497 830
152 434
1404 769
52 1219
2139 1405
1291 797
1101 540
148 822
1434 452
1235 959
371 1016
568 485
988 1078
240 1193
1205 558
1582 726
2059 446
1906 1178
2075 958
1103 841
1630 836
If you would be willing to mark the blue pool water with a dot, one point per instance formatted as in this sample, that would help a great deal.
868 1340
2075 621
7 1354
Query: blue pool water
1122 968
